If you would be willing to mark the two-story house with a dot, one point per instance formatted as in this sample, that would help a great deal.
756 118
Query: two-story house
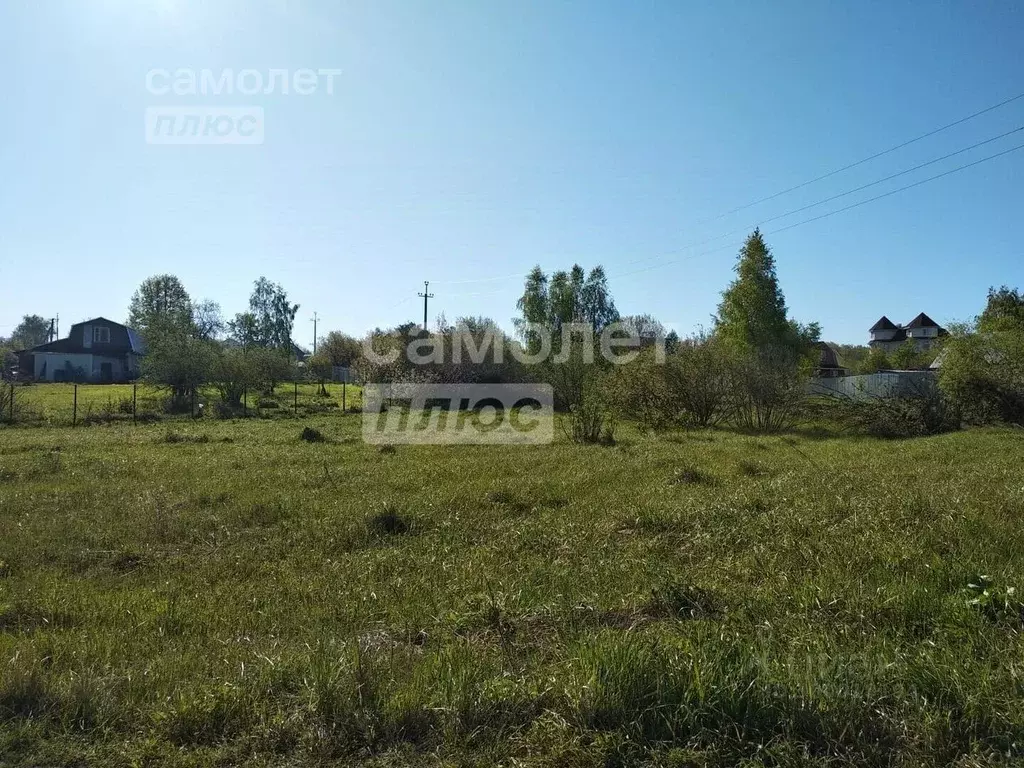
97 350
888 336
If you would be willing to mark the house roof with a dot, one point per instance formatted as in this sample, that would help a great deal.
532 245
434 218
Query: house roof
138 346
828 357
72 343
67 345
885 324
922 321
98 320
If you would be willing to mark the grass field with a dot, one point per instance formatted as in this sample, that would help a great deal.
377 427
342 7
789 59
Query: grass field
55 404
222 592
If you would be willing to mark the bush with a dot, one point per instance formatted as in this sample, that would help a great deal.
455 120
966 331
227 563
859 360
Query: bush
639 390
929 412
693 386
982 374
572 380
178 363
233 373
589 419
768 388
224 410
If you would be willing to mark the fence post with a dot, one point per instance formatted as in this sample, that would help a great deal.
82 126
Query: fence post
135 402
12 402
193 402
296 397
74 409
245 401
344 391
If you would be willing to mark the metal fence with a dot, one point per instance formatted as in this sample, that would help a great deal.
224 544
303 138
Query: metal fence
887 384
78 404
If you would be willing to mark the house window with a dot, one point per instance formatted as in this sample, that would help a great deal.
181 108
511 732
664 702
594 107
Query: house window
100 334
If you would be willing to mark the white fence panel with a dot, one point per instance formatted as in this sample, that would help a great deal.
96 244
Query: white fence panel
887 384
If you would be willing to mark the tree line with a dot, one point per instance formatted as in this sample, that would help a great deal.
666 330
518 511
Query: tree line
750 368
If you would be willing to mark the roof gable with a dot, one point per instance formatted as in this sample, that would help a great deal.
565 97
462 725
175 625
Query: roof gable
99 320
922 321
884 324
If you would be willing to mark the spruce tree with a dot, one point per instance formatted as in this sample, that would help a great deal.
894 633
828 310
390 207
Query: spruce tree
752 313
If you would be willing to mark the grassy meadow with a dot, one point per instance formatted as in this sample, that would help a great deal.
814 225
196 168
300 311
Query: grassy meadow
55 404
214 593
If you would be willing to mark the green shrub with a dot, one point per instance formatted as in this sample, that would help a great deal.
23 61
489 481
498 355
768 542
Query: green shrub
983 375
929 413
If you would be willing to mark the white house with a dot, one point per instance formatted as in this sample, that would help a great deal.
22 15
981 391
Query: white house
888 336
97 350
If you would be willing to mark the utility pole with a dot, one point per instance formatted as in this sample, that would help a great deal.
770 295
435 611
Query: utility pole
56 333
49 336
426 295
314 333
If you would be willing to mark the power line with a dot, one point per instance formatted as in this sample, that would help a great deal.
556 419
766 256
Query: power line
893 176
918 183
866 159
901 189
816 203
834 172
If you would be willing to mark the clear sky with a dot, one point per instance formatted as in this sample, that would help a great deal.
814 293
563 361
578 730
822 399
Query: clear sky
466 141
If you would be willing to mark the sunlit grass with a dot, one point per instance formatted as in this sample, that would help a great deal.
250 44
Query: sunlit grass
237 594
65 404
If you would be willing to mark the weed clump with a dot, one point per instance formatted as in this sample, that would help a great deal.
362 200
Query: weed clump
998 604
127 562
750 468
692 476
684 601
178 437
388 522
311 435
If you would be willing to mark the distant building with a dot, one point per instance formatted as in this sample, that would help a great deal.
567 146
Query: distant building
888 336
829 366
97 350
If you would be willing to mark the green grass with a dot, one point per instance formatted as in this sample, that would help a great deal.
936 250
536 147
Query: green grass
225 592
54 404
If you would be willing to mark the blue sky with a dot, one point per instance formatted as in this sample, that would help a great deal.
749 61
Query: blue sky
467 141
